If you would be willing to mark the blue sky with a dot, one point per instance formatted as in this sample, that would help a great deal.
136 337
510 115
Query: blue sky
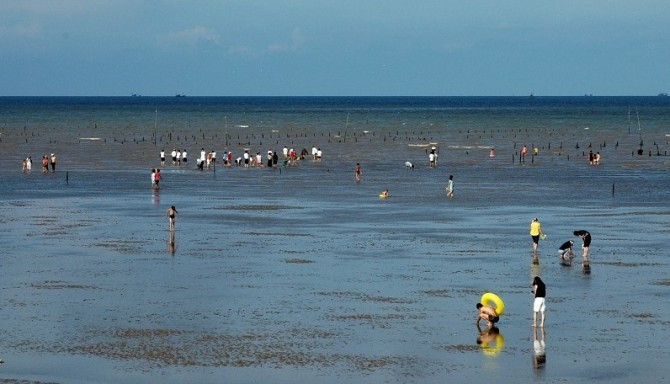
339 47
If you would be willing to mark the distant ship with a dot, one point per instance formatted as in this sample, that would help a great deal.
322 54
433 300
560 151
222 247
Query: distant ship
663 94
135 95
180 95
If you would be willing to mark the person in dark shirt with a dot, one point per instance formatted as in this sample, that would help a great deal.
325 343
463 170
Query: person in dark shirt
565 250
539 289
586 243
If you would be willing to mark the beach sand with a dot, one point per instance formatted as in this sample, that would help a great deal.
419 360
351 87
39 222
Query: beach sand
302 274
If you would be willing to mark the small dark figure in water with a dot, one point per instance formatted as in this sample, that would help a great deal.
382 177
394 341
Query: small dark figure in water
171 213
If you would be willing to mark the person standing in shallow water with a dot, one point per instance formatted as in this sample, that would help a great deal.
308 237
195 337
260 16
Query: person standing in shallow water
53 162
539 289
450 186
171 214
535 233
157 178
586 243
358 172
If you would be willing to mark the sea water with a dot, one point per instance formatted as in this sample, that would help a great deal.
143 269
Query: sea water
300 272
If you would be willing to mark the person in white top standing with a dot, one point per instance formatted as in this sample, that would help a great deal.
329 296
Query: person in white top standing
450 186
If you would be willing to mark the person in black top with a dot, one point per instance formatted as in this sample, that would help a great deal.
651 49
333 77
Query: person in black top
539 290
565 250
171 213
586 243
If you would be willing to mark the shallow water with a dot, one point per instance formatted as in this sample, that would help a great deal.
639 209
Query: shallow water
300 273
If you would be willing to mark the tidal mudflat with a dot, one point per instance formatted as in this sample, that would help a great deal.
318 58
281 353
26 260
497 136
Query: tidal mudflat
301 274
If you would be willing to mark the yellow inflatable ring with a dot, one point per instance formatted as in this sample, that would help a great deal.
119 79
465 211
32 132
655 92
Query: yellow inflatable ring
491 298
492 351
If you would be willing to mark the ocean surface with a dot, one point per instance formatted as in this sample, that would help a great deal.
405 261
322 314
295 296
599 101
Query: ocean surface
301 273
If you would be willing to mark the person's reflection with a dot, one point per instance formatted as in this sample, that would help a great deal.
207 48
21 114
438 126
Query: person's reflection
155 196
539 349
534 270
490 336
172 246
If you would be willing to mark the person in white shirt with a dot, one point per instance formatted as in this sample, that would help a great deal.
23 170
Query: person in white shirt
183 156
314 151
179 156
174 156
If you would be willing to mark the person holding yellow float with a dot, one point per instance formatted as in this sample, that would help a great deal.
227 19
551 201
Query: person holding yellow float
384 194
488 314
490 310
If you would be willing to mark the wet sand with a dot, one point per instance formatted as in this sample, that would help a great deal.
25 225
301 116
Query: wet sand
302 274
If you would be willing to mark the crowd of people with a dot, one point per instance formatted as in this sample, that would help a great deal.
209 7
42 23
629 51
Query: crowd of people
207 159
27 163
491 315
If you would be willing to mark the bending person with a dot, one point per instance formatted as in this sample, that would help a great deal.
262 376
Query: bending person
586 243
488 314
